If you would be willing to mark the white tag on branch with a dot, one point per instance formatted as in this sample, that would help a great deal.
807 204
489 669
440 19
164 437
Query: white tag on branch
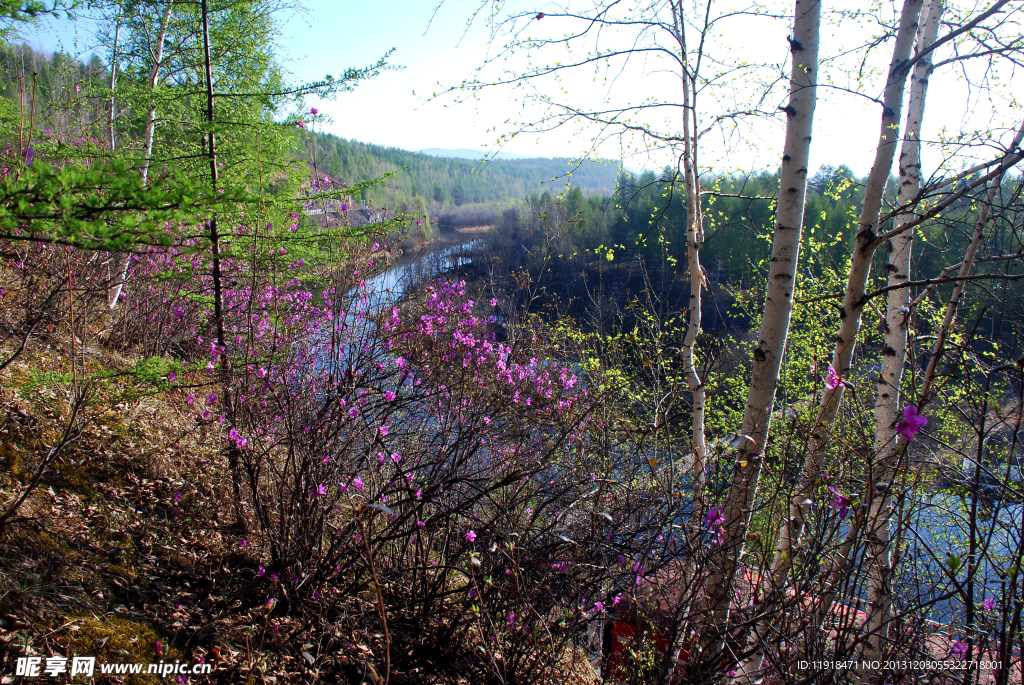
382 507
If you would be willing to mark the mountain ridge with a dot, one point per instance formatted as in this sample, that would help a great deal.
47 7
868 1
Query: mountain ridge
468 153
455 181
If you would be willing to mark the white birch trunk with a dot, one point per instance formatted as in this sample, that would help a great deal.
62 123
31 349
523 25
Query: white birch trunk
894 350
853 304
694 242
113 79
123 259
778 305
860 260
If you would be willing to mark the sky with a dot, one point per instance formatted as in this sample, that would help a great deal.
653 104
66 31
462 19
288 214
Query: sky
434 49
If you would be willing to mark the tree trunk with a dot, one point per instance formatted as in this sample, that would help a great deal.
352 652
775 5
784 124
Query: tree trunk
122 260
860 260
778 308
853 304
894 349
113 79
694 242
218 290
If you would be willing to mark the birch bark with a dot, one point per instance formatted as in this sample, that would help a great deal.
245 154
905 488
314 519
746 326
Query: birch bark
113 78
860 260
694 242
122 260
894 350
778 305
853 303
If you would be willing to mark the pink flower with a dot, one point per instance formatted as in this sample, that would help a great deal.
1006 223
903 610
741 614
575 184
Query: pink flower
262 572
714 518
989 604
243 543
421 524
172 377
389 396
319 491
269 606
470 536
190 399
618 598
314 111
840 502
912 423
384 429
598 607
959 650
494 302
832 380
358 483
396 457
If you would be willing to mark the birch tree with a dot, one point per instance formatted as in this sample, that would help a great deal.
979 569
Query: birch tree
778 305
156 54
868 241
851 310
894 351
694 241
891 450
746 471
610 38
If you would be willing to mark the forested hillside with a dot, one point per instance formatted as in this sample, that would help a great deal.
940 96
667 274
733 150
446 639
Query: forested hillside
647 216
444 182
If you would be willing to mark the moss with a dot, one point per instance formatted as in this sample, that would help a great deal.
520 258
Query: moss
119 641
12 454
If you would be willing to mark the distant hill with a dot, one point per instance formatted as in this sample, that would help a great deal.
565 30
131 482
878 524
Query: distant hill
466 153
445 182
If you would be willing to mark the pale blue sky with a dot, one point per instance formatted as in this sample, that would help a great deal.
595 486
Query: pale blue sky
331 36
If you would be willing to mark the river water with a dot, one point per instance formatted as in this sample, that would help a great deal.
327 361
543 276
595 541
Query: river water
937 529
389 287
